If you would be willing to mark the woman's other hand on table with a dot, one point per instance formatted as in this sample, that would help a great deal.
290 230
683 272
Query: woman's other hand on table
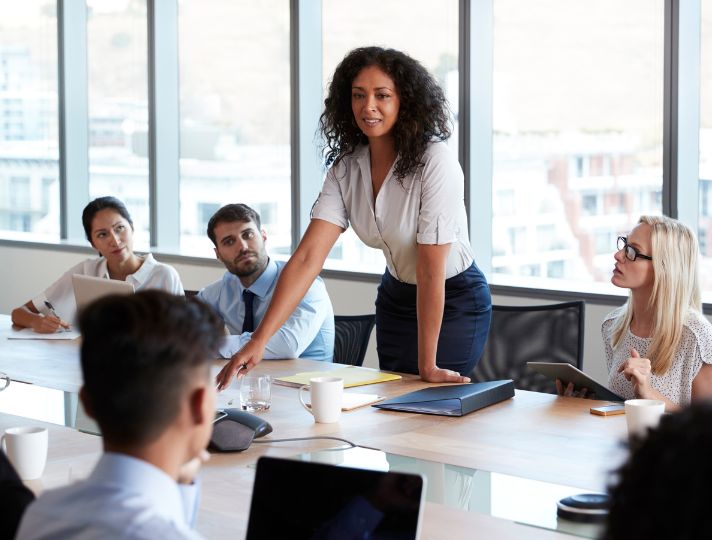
436 374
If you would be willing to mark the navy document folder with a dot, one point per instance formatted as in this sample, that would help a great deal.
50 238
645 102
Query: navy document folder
451 400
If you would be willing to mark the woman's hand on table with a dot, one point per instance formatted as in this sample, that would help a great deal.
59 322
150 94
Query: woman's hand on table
436 374
48 324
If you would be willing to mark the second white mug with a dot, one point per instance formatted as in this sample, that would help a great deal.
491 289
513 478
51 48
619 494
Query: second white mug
327 395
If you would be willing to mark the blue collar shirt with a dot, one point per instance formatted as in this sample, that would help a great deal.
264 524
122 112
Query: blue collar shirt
308 333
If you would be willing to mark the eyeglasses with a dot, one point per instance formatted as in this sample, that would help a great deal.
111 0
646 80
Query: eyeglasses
630 252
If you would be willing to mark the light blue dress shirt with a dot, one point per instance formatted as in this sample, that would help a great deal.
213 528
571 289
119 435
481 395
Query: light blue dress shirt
124 497
308 333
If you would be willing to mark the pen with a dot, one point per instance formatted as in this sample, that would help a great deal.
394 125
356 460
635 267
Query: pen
54 313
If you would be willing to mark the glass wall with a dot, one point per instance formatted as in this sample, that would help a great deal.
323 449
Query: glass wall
578 128
705 226
29 170
577 119
117 62
427 34
235 116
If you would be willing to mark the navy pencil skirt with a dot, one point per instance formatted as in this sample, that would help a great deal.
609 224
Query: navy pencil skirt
466 320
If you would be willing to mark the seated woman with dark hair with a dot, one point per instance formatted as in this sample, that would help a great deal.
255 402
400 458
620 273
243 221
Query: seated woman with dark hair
109 229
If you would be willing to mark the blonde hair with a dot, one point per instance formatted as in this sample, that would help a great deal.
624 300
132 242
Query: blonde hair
676 289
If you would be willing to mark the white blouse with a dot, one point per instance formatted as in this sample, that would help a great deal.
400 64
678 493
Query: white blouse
427 208
151 275
695 349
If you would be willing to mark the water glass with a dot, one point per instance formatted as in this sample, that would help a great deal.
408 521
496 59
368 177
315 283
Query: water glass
255 392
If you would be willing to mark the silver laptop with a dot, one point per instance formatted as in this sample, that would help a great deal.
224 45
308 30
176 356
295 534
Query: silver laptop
303 500
89 288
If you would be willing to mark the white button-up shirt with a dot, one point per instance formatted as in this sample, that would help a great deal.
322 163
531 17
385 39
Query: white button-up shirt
426 207
151 275
124 497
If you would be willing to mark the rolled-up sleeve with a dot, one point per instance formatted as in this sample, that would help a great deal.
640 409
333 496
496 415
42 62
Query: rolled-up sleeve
442 196
330 206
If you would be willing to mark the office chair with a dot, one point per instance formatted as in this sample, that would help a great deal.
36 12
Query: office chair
351 339
521 334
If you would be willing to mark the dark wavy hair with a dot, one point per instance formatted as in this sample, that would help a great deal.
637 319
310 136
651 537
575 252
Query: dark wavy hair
658 490
424 115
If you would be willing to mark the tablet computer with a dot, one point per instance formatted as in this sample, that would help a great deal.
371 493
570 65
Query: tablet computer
570 374
89 288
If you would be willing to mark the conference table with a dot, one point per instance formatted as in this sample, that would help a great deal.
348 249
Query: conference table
540 441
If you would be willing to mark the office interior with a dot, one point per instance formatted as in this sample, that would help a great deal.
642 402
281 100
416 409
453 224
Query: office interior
571 119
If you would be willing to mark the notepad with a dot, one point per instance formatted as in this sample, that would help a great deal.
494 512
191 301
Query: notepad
352 400
29 333
352 375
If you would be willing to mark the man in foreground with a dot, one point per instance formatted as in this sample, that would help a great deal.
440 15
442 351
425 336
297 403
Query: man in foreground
145 362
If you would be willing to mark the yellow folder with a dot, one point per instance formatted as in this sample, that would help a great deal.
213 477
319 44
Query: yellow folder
352 375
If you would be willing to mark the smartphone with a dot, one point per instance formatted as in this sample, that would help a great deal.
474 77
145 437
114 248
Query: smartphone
219 415
608 410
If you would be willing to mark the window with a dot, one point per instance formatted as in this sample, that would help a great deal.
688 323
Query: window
28 113
235 115
118 106
577 116
705 218
392 24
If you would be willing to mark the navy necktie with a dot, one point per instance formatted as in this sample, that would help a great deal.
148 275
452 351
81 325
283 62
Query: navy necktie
248 325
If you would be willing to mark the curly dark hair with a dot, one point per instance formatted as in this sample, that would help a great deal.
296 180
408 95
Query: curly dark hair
657 494
424 115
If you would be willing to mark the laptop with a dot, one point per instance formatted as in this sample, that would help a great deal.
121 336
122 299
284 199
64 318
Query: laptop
89 288
303 500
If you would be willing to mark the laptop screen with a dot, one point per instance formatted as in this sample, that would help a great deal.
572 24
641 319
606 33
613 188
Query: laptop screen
312 501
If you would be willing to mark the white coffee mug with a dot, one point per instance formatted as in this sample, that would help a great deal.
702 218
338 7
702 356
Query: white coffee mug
327 394
26 448
642 415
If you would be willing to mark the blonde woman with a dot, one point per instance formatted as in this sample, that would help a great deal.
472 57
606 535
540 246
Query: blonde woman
658 344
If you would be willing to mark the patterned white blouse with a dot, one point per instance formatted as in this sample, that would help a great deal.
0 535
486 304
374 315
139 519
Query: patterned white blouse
676 385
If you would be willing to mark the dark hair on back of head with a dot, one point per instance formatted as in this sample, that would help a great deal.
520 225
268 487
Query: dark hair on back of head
423 117
99 204
229 214
138 355
657 493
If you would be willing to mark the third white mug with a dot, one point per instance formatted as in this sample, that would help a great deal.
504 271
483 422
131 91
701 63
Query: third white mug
26 448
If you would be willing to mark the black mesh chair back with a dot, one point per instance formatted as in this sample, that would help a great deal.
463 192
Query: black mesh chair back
351 340
521 334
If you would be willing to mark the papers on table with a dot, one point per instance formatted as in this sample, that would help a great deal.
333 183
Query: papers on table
352 400
352 375
29 333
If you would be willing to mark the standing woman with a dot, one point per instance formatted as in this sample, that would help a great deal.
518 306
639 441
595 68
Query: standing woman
659 344
393 179
109 229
